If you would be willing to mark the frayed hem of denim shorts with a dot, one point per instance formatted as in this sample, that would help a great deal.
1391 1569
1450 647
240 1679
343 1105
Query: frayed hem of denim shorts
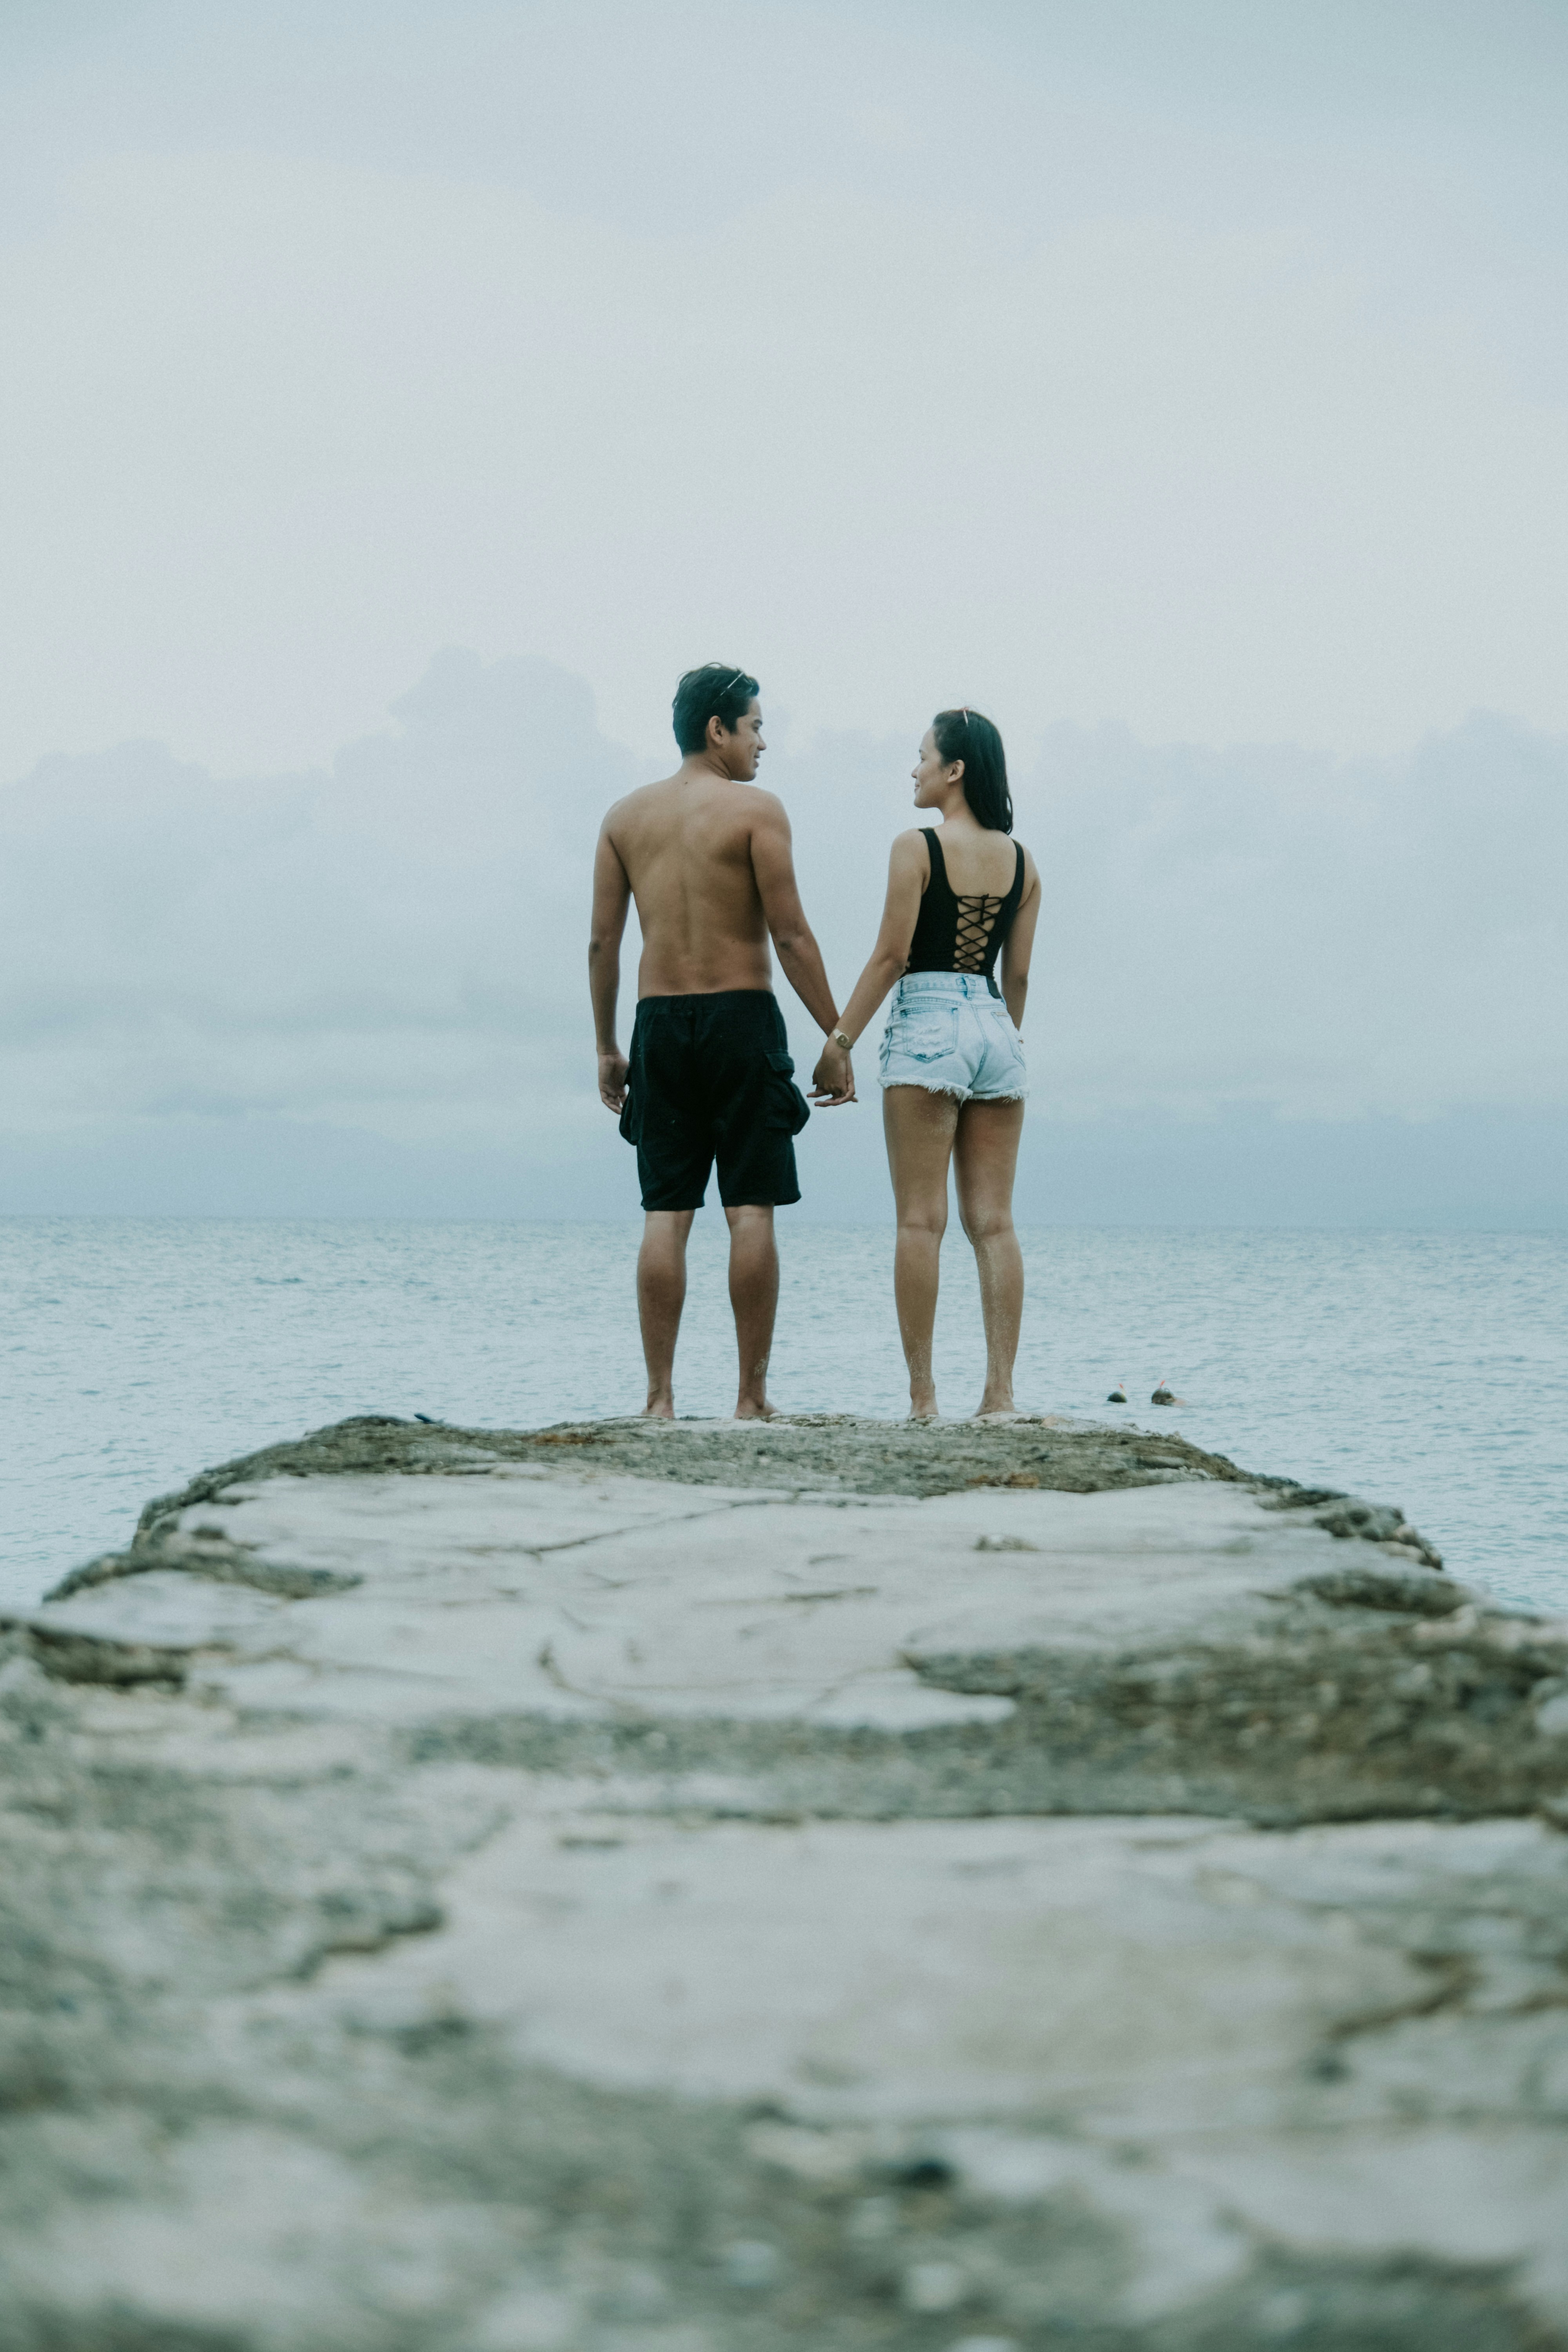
955 1094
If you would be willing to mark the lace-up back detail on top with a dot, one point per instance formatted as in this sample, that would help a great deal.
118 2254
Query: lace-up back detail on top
962 934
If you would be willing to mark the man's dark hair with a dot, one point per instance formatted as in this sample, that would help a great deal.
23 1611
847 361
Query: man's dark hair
717 691
969 736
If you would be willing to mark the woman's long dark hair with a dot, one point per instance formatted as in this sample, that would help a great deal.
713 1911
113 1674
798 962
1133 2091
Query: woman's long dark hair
969 736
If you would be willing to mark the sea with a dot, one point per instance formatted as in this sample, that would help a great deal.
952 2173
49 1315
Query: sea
1423 1368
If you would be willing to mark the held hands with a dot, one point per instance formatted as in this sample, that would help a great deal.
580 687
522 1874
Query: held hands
833 1081
613 1081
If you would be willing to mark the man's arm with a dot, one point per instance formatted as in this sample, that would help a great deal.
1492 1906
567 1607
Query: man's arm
612 897
772 863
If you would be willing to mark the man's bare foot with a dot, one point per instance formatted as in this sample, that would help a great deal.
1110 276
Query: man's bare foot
922 1405
659 1408
756 1409
986 1411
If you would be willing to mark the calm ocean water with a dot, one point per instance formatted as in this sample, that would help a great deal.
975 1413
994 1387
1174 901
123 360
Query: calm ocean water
1428 1369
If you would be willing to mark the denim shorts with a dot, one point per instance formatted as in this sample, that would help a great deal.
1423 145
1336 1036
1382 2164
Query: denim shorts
947 1032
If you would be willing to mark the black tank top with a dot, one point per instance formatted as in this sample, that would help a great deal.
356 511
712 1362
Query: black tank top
954 934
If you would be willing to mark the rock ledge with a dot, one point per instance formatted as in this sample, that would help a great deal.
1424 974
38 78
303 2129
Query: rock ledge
697 1889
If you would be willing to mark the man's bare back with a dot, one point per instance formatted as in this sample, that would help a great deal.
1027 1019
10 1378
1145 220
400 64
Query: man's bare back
707 856
689 848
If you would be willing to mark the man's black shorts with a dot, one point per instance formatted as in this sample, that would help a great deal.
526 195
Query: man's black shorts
711 1078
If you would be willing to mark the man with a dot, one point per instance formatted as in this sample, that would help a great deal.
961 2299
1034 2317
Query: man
706 854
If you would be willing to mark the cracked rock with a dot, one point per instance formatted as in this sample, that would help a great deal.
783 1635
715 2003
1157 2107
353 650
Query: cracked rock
822 1886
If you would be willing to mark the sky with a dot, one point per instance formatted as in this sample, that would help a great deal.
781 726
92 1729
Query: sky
398 398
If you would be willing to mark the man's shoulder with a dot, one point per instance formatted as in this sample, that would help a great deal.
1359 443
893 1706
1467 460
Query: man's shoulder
733 820
760 803
724 817
642 801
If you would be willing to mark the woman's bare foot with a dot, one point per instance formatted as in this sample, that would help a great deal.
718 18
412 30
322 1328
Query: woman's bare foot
922 1405
659 1408
989 1410
755 1409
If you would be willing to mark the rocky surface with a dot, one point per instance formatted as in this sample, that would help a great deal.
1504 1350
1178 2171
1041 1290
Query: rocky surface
702 1889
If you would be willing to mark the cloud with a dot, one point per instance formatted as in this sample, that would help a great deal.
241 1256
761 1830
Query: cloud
1265 925
397 943
394 945
1332 940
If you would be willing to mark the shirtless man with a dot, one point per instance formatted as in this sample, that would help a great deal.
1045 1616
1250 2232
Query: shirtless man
706 854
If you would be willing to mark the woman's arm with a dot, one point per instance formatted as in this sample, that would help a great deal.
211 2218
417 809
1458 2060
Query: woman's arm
1019 945
908 871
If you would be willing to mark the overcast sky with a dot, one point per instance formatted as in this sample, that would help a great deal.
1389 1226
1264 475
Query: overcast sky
1187 384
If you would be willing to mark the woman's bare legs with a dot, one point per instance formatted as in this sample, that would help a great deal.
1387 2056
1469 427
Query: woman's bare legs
919 1128
986 1154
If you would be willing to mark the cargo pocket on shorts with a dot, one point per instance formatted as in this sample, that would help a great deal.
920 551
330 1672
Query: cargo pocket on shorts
631 1117
787 1107
927 1036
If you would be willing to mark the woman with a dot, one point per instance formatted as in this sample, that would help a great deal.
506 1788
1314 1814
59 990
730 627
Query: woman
959 898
